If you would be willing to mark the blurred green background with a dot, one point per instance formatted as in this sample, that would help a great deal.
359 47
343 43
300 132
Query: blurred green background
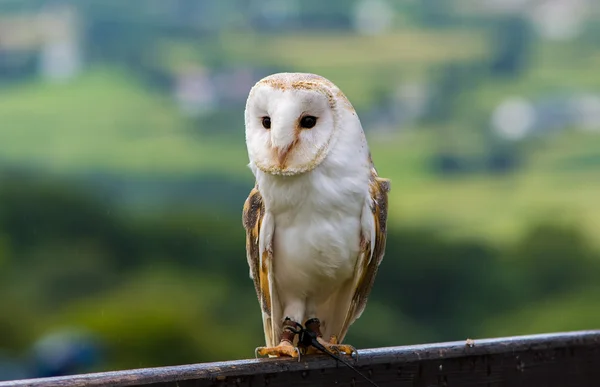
123 170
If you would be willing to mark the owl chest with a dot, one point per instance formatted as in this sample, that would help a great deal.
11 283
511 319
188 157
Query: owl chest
317 227
314 249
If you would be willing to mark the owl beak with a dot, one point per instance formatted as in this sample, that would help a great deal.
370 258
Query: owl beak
282 154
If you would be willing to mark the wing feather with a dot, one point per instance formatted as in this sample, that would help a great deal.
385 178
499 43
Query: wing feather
372 247
259 258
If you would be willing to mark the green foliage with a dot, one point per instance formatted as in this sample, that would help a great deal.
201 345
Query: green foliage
175 289
562 257
568 311
107 121
161 315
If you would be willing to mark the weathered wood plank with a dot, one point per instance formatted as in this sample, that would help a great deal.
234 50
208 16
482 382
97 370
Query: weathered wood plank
560 359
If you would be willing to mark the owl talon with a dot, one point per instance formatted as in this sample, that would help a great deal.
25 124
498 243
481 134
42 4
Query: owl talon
333 340
339 349
283 349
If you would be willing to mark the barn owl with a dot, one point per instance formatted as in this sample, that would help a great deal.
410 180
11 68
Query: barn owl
315 220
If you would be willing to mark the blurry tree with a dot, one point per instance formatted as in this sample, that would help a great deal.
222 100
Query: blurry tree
435 13
117 31
511 46
554 258
17 66
439 284
453 81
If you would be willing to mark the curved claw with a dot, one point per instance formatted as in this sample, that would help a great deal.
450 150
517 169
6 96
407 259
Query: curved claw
298 352
344 349
256 352
354 354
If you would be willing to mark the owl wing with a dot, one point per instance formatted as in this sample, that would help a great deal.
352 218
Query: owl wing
259 254
372 248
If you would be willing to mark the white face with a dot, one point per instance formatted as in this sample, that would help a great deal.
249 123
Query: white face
290 121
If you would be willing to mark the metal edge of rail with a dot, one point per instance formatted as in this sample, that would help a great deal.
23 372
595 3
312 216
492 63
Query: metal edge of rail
367 357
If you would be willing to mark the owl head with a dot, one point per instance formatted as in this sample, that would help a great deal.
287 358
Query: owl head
292 121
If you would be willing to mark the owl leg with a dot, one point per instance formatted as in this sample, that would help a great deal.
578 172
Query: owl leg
314 325
286 345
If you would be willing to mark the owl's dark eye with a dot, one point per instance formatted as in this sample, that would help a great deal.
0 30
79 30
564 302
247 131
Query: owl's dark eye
266 122
308 122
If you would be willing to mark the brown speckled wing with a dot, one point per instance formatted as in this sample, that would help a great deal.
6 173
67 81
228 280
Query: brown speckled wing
253 213
367 265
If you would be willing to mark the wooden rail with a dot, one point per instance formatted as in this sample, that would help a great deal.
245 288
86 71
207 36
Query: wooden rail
559 359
